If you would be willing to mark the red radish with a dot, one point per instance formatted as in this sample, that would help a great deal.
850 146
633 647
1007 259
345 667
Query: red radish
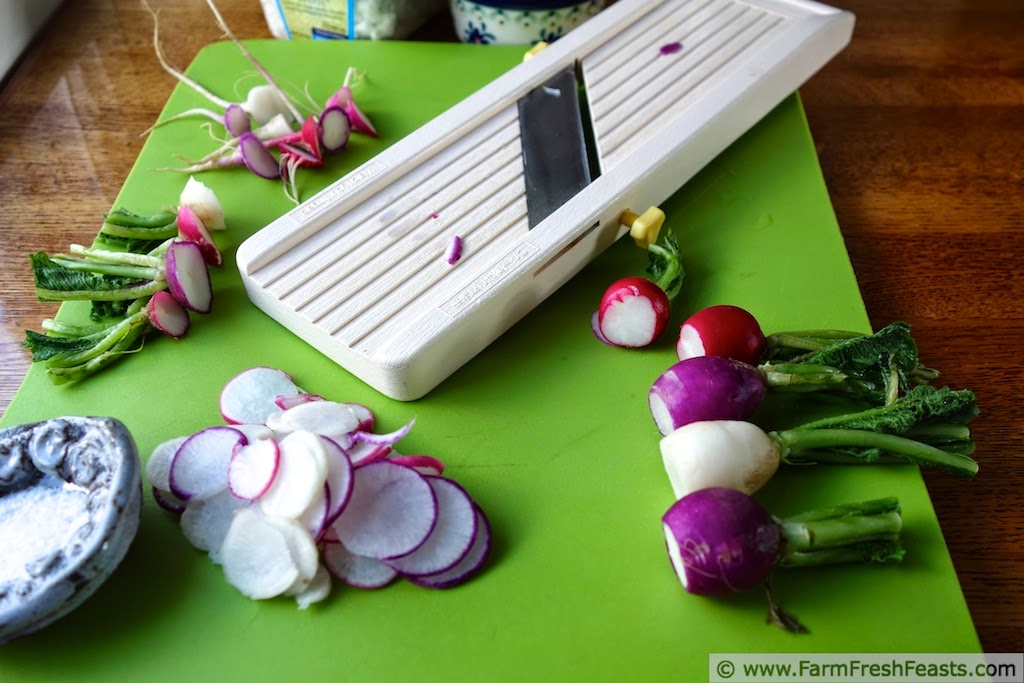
705 388
343 98
253 468
469 565
199 468
188 278
191 227
365 415
248 398
392 511
452 536
365 453
633 313
723 330
356 570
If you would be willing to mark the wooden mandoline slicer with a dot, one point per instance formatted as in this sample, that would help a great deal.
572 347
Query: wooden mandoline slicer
532 173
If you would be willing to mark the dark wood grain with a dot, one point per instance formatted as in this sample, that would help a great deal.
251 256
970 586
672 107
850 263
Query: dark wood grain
920 131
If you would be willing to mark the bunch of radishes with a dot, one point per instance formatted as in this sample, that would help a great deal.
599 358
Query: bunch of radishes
269 122
295 490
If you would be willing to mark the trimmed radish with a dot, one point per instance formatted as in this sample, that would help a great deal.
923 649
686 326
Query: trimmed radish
199 468
723 330
300 478
358 571
424 464
469 565
343 98
633 313
205 523
256 557
167 315
191 227
335 127
392 511
325 418
188 278
248 398
729 453
253 468
452 536
204 202
705 388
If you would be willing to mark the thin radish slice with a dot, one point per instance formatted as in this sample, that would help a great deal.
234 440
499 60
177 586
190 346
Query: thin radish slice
188 278
469 565
452 537
253 468
365 453
358 571
255 432
335 128
303 550
236 120
339 481
318 589
168 501
325 418
167 315
286 401
199 468
256 557
205 523
192 228
389 439
392 511
424 464
158 466
300 478
365 416
257 157
314 517
248 398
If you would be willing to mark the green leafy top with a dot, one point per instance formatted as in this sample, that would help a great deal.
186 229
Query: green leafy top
666 267
53 277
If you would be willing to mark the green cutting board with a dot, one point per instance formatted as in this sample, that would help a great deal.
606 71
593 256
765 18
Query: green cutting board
547 428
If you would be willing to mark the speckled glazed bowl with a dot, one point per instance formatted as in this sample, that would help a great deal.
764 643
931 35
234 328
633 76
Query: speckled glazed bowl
70 502
522 22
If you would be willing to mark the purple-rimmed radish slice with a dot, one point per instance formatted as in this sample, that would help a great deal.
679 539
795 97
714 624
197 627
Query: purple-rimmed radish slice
256 557
168 501
236 120
158 466
452 536
358 571
253 468
257 157
199 468
392 511
286 401
205 523
365 453
167 315
335 127
424 464
388 439
468 565
188 278
364 415
248 398
339 481
300 478
325 418
192 228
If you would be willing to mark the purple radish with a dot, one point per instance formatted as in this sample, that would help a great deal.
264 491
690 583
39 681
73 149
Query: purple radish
167 315
392 511
248 398
358 571
253 468
168 501
335 127
158 466
723 330
188 278
469 565
192 228
705 388
199 468
452 536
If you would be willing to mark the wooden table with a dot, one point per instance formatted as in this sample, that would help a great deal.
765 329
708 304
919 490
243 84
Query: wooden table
920 130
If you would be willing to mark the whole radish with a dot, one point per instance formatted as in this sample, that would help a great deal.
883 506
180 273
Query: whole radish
722 330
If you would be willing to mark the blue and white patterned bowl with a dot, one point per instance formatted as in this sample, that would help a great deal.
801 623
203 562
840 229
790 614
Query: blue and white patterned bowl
519 22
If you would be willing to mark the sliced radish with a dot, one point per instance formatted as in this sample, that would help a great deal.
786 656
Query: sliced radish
199 468
318 589
255 432
365 453
325 418
257 157
158 466
286 401
314 517
187 276
339 481
392 511
469 565
452 536
167 315
356 570
311 133
256 557
236 120
365 416
303 550
424 464
192 228
253 467
301 476
205 523
389 439
168 501
248 398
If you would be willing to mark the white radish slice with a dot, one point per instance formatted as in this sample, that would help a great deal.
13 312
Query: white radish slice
392 511
168 501
167 315
303 550
188 278
199 468
452 536
255 432
339 481
358 571
314 518
365 453
325 418
365 416
248 397
275 423
192 228
253 468
205 523
469 565
256 557
158 466
389 439
286 401
300 478
318 589
424 464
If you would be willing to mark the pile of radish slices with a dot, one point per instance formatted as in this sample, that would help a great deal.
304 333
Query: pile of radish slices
295 491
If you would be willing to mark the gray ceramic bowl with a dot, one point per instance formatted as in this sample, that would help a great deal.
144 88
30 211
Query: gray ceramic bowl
70 502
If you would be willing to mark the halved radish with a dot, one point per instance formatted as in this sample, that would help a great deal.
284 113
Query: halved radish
300 478
192 228
424 464
253 467
205 523
256 557
469 565
188 279
356 570
167 315
325 418
452 536
199 468
248 398
392 511
335 127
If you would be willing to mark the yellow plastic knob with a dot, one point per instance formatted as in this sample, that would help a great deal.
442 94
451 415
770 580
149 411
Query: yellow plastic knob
644 228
